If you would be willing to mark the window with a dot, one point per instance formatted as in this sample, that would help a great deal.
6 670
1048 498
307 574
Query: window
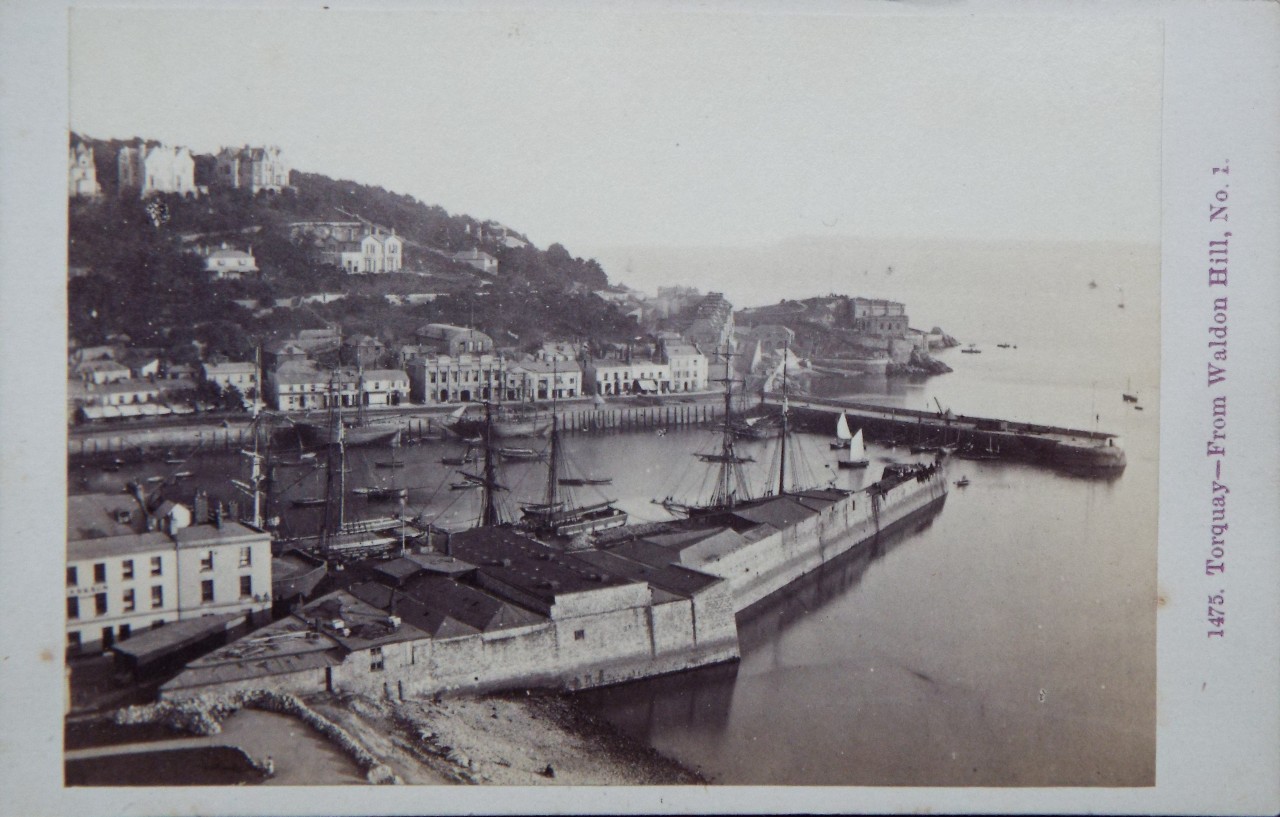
157 596
125 632
99 572
128 600
376 661
71 577
246 586
127 568
206 591
156 566
157 624
206 562
579 635
100 604
246 556
73 607
73 642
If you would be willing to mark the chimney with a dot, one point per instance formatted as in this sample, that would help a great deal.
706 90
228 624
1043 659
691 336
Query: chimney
217 516
201 514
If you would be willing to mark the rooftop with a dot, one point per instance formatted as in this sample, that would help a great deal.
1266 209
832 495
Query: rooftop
228 533
528 565
94 516
111 546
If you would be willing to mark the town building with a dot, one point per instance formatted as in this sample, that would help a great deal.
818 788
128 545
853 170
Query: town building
150 169
447 339
101 370
134 564
82 180
252 169
229 264
532 379
320 231
363 350
875 316
636 376
498 610
373 252
438 379
300 385
477 259
688 366
242 376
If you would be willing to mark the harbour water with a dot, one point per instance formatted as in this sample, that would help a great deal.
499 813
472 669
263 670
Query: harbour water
1009 639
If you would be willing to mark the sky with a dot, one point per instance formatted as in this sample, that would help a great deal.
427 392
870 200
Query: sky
601 129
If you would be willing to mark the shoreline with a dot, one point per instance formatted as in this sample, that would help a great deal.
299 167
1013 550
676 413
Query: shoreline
506 739
534 737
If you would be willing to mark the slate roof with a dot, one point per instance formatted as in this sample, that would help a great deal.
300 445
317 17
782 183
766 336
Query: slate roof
528 565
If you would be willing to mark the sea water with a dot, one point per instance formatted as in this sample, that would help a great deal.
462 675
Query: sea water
1008 640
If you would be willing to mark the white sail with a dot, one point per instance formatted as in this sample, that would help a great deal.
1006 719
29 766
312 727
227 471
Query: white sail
857 452
842 428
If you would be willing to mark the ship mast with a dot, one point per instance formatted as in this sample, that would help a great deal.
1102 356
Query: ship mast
553 464
729 478
489 506
335 469
782 458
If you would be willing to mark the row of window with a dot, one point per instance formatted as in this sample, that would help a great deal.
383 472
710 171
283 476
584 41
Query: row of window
127 570
129 598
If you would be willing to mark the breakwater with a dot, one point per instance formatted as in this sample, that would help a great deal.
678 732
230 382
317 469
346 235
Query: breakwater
984 437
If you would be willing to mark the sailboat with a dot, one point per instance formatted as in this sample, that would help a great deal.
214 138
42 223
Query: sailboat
1121 304
559 514
857 457
843 435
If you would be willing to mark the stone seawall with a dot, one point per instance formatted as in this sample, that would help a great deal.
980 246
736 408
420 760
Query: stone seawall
770 564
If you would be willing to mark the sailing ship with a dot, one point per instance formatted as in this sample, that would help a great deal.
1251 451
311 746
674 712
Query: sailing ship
843 435
559 514
504 423
359 431
340 539
857 456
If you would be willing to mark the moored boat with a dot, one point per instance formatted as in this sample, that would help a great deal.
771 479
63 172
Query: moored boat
843 435
857 456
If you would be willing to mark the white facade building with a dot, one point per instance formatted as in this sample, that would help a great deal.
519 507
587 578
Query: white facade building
438 379
688 366
130 569
152 169
83 175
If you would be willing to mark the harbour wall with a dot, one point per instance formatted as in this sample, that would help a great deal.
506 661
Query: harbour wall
575 652
766 566
144 443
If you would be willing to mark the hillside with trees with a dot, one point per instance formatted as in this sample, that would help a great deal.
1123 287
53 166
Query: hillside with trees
136 271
